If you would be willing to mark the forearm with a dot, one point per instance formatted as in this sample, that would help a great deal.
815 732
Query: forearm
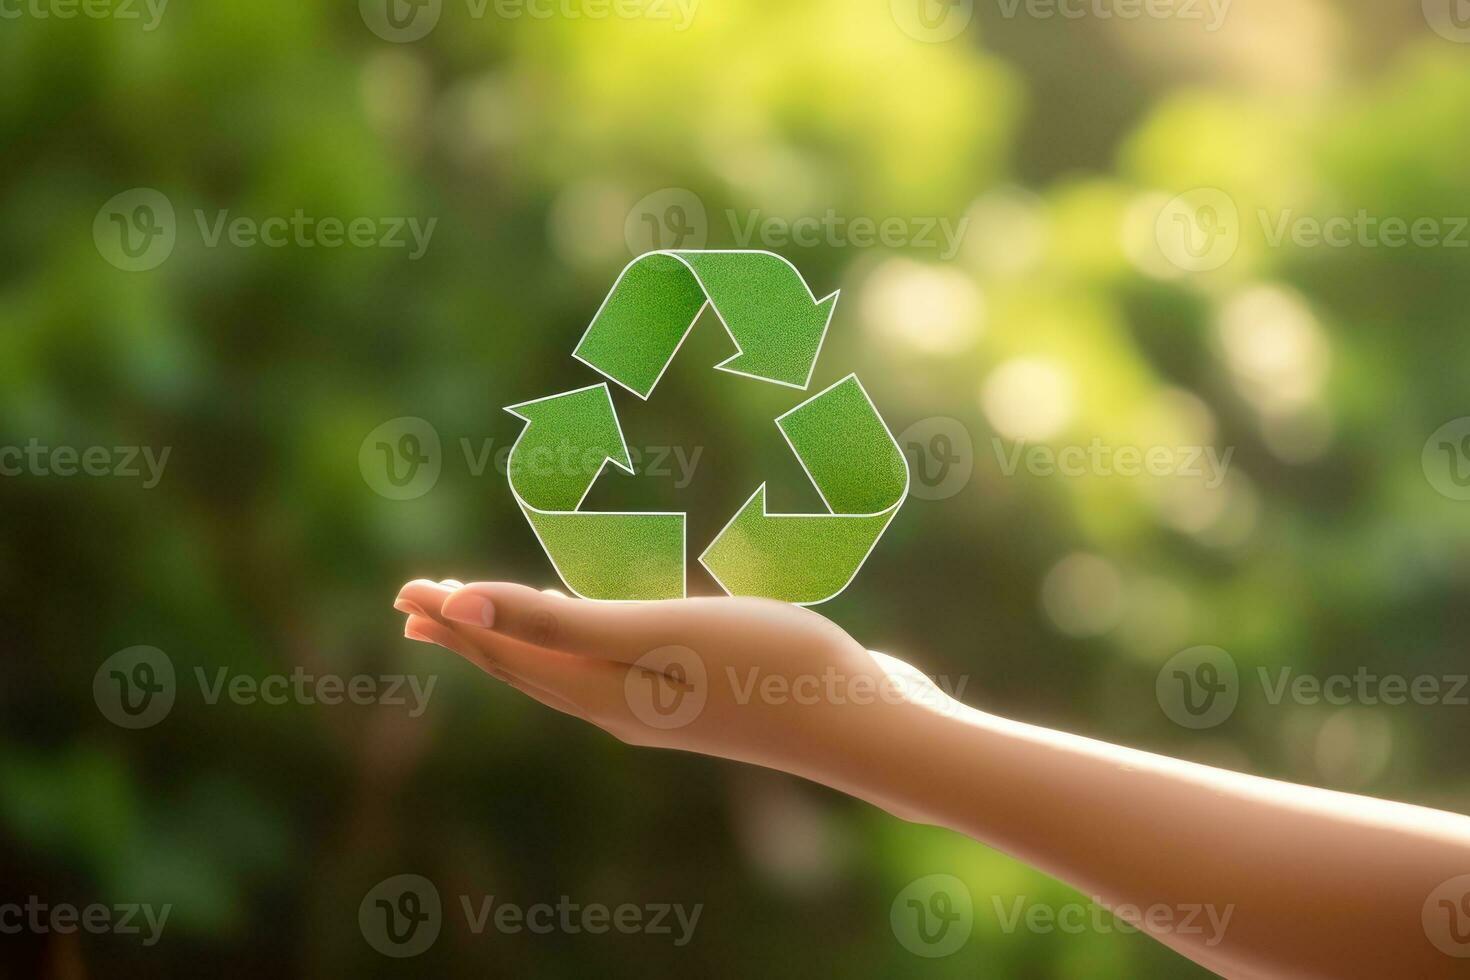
1314 883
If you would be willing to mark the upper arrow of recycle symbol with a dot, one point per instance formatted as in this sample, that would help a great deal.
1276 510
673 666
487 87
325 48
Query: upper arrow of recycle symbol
776 322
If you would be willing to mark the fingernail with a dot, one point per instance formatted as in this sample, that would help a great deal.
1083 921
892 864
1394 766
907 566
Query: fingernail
467 607
414 634
410 608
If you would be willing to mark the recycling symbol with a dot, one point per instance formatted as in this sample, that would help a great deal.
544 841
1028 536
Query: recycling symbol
777 325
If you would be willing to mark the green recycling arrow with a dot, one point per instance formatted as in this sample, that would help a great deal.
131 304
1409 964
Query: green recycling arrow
837 434
568 440
857 467
775 320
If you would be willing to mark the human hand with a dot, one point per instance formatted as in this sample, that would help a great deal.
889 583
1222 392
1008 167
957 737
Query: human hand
752 680
782 687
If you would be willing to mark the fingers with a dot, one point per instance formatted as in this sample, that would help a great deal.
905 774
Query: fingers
430 631
593 686
549 619
427 630
421 597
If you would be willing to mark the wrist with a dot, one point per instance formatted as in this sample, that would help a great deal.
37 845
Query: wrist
908 755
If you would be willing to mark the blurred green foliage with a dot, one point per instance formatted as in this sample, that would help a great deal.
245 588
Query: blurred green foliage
1058 320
